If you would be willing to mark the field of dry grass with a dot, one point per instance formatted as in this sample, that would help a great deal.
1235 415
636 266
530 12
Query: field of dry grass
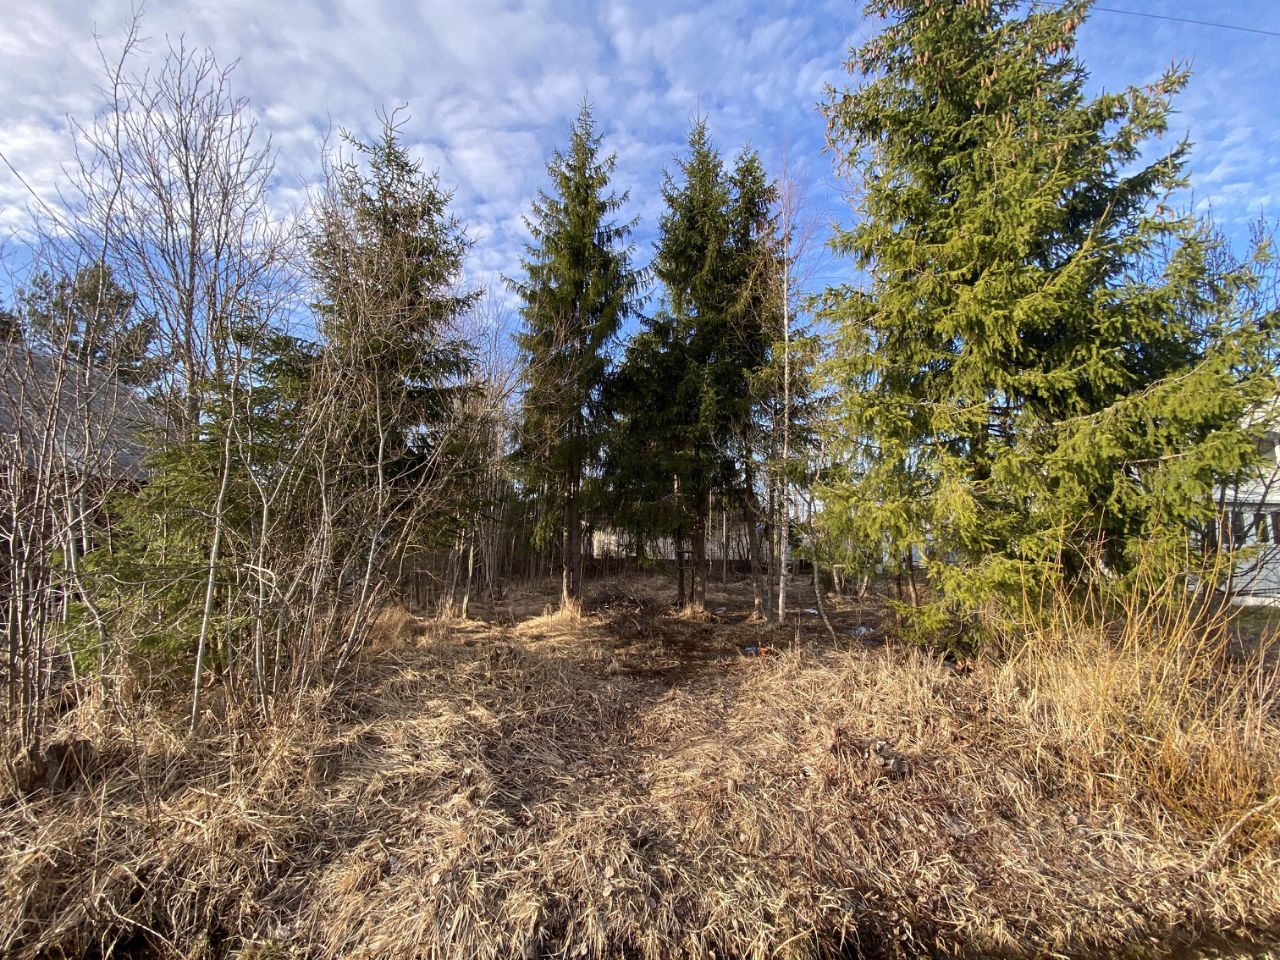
631 783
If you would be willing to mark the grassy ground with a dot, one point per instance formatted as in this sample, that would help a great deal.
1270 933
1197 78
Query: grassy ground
632 783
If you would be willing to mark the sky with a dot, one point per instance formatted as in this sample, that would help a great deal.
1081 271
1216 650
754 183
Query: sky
489 87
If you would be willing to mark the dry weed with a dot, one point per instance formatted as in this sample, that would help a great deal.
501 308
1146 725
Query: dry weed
509 794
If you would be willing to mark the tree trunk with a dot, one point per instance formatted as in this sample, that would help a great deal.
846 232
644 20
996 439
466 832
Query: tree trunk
680 554
758 598
820 603
679 540
455 574
724 556
751 517
698 569
571 582
784 544
471 566
215 553
766 536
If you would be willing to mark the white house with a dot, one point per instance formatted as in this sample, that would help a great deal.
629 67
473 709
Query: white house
1250 521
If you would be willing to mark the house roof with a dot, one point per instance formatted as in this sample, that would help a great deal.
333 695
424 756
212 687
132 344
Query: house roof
82 417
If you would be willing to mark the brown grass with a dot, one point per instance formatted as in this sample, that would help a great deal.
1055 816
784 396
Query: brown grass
1152 702
627 784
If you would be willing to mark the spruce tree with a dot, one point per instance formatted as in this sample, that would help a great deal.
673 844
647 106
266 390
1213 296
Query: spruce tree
640 462
92 319
706 345
388 256
577 289
12 329
1039 357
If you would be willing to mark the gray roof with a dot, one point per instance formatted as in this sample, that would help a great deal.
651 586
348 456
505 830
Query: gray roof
80 417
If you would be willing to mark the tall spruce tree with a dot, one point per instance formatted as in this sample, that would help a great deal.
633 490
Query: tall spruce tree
387 256
713 335
578 287
1040 358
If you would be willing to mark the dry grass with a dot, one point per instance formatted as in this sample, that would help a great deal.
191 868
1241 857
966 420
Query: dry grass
624 783
1151 702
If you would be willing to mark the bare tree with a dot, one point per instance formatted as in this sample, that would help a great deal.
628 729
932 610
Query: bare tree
272 487
796 231
73 434
170 184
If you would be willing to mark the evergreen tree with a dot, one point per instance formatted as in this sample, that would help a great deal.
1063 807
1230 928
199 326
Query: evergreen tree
641 467
706 345
93 320
335 458
251 433
11 327
577 289
388 258
1040 357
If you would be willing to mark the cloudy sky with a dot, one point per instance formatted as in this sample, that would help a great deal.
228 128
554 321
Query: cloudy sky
490 87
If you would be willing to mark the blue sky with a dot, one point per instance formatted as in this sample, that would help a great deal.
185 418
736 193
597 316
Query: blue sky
491 86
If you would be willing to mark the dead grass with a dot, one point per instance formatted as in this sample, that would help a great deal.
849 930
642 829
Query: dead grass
625 783
395 628
1153 703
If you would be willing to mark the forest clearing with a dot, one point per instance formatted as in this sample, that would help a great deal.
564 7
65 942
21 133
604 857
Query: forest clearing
631 783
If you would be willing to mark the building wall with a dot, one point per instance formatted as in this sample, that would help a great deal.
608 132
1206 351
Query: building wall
1249 521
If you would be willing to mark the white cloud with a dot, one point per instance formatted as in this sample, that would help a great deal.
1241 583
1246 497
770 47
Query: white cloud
1226 109
491 86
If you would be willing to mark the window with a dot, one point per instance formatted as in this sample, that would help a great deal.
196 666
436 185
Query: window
1239 533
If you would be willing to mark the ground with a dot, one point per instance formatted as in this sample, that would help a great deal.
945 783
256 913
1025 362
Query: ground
641 782
632 626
